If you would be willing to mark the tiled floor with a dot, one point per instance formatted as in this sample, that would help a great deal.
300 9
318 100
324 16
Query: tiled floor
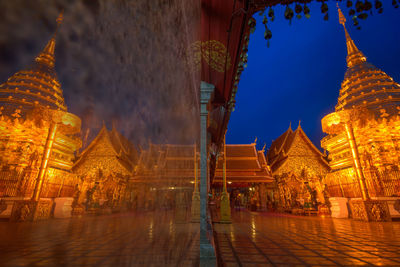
265 239
154 239
132 239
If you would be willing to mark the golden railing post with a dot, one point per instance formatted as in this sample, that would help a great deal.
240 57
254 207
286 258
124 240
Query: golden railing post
225 204
356 161
45 161
195 210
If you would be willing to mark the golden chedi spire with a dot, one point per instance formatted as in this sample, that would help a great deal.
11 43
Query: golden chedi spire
47 55
365 85
354 56
36 85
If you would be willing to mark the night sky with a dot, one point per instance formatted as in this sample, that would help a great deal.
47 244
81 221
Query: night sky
298 77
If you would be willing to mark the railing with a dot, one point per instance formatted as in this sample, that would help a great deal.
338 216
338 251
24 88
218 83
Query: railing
21 184
384 183
351 190
379 184
9 183
55 190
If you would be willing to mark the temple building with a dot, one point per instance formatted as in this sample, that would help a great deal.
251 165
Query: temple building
298 168
104 169
247 174
164 171
38 137
364 132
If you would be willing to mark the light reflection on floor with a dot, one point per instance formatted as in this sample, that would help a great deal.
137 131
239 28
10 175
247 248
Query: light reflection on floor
265 239
132 239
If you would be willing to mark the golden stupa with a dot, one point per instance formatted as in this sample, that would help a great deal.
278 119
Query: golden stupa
364 132
38 137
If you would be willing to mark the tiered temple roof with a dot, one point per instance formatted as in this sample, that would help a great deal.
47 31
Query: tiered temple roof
292 144
37 85
244 165
174 164
365 85
110 151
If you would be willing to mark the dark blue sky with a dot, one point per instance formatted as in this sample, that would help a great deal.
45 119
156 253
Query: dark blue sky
298 77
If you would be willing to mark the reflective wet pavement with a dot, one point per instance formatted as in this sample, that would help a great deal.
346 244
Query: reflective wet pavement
153 239
132 239
265 239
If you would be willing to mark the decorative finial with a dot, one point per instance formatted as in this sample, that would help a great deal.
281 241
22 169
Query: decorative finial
263 149
47 55
290 125
342 18
255 140
299 123
354 56
60 18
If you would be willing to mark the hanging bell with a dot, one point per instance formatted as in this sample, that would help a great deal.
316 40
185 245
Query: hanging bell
289 14
306 11
298 9
324 8
380 10
326 17
378 4
267 34
349 4
394 3
359 6
298 16
367 5
271 14
252 25
352 12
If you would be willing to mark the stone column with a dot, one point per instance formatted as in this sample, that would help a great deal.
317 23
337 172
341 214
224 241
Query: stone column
207 254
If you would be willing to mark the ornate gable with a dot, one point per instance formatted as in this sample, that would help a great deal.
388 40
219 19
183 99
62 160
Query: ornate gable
101 155
301 157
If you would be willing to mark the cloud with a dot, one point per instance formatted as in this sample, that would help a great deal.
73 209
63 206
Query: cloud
120 61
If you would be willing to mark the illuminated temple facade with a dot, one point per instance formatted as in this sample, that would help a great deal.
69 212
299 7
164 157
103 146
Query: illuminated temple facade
364 131
298 168
38 137
103 170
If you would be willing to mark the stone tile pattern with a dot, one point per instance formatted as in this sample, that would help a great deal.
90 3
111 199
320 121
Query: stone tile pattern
266 239
133 239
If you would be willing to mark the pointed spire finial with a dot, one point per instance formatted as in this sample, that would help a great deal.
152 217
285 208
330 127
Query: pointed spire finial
290 125
354 56
47 55
60 18
342 18
299 124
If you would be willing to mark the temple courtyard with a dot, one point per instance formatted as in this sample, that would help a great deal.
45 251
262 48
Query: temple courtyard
155 239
